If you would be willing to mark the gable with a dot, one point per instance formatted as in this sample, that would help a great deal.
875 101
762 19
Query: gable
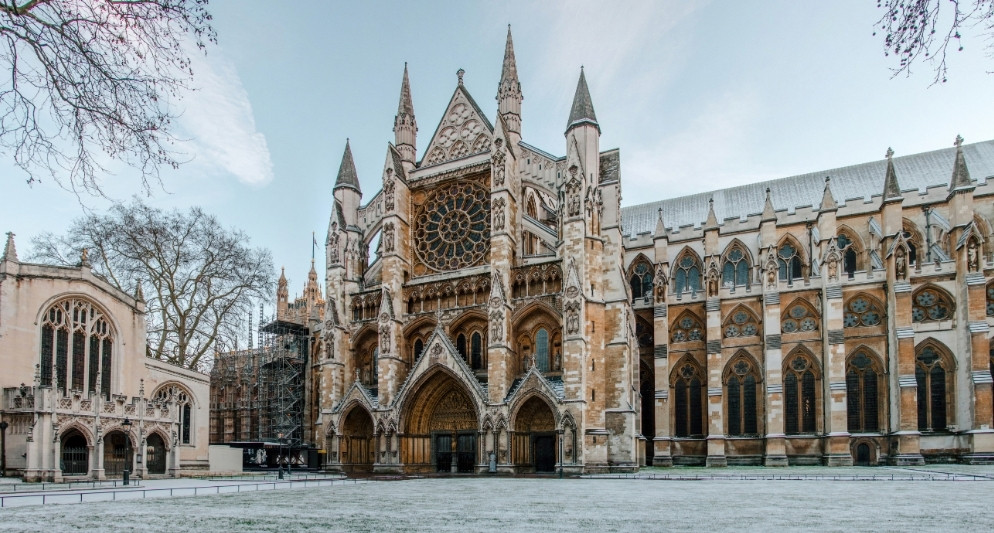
463 131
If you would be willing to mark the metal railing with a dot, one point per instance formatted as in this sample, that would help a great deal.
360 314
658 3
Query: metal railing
164 492
70 485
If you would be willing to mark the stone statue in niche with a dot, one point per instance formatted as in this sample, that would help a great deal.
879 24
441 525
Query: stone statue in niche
833 267
661 281
572 318
497 325
497 160
972 256
384 339
900 263
388 240
388 191
498 208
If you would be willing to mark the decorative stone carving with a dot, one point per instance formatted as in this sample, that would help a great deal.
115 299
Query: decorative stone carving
389 189
384 339
497 325
972 256
573 191
832 262
388 237
498 209
497 162
572 318
900 263
771 271
661 280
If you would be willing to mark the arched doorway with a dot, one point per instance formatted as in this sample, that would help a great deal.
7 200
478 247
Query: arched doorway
155 454
862 454
356 444
440 427
534 438
75 454
117 453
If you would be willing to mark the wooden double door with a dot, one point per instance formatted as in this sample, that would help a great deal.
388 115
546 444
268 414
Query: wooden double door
464 454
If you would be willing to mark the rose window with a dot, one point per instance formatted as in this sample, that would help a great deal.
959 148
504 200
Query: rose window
742 324
452 230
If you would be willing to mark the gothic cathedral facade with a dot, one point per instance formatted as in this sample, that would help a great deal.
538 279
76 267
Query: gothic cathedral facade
514 318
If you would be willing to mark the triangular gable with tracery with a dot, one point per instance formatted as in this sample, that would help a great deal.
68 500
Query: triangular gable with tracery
463 131
439 350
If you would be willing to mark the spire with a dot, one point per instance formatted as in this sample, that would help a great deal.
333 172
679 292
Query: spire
660 226
347 176
961 176
583 109
405 127
827 199
768 212
892 190
509 90
712 220
9 251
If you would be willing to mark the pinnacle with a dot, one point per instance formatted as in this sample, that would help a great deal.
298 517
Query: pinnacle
892 189
828 199
9 251
406 105
347 176
960 179
583 108
509 72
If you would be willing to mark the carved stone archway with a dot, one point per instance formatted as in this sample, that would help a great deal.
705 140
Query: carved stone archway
440 427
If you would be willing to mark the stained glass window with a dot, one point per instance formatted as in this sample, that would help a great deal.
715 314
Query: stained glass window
452 228
80 360
862 382
641 282
741 324
929 304
862 311
741 391
847 248
799 395
735 270
789 261
687 328
931 375
687 277
799 319
689 403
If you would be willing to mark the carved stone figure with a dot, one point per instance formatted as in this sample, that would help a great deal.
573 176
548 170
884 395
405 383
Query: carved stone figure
972 256
833 268
497 161
497 325
388 191
900 263
384 339
388 237
661 281
498 208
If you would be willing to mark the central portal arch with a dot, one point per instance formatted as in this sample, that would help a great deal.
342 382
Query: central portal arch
441 427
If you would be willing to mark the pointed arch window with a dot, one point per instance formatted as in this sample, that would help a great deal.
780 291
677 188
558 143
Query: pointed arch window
930 305
735 269
181 397
789 262
78 339
847 246
542 350
914 241
688 329
476 351
799 318
741 323
419 348
933 375
461 346
742 391
689 401
863 382
800 389
862 311
641 282
687 277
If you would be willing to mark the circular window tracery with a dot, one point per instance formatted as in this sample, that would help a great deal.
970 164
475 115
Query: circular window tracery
452 230
930 305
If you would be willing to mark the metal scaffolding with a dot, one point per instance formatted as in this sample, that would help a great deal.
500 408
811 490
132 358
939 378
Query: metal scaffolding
283 349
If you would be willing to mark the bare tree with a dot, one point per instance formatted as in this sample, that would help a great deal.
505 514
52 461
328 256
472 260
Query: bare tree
926 30
198 277
93 79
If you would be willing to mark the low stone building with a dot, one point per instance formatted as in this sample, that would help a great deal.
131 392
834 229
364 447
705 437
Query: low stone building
81 398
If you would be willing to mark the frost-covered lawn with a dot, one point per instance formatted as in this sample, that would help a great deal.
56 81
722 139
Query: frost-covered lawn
573 505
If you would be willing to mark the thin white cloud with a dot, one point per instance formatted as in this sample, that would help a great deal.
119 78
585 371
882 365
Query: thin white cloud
219 123
710 151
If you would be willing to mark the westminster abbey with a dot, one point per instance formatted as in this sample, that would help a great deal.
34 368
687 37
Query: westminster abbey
492 307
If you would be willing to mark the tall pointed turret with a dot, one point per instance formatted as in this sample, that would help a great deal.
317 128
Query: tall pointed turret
405 127
769 213
828 202
582 111
282 295
9 251
960 179
509 95
347 176
892 190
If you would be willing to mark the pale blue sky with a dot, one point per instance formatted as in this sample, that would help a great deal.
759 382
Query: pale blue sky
698 95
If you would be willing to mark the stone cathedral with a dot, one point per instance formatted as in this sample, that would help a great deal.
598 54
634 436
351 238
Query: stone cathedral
492 307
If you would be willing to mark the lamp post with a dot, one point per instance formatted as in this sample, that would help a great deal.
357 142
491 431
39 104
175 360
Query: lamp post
127 450
3 448
279 457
